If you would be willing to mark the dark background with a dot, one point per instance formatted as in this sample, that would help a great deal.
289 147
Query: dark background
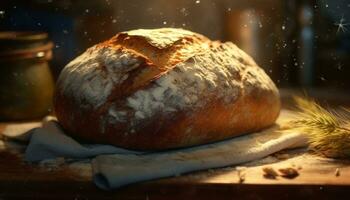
300 44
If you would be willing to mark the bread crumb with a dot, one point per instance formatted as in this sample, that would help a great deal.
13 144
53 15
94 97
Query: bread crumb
288 172
241 176
337 172
269 173
241 173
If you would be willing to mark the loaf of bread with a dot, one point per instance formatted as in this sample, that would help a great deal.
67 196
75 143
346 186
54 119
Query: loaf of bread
154 89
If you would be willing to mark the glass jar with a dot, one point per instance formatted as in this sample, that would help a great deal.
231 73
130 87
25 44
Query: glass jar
26 83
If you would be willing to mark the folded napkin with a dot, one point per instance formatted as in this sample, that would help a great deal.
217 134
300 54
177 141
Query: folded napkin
115 167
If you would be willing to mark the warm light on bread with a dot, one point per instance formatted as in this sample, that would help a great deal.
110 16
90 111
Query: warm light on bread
163 88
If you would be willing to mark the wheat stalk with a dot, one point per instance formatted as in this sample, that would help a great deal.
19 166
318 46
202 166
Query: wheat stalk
328 131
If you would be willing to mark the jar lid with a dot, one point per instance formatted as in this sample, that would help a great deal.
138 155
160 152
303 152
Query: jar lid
22 35
24 44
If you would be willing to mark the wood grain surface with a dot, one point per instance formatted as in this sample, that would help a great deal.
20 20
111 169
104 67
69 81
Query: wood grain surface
317 180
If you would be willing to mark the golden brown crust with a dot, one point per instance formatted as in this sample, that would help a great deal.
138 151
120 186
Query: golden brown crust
242 98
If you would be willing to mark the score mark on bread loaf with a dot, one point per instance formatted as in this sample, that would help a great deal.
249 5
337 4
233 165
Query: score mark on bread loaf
139 84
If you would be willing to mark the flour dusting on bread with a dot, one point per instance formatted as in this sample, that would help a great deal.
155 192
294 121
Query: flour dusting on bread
161 38
212 73
164 88
92 76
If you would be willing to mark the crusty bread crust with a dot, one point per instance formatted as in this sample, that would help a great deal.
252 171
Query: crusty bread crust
163 88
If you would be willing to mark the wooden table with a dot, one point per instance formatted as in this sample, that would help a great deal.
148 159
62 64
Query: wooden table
317 180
